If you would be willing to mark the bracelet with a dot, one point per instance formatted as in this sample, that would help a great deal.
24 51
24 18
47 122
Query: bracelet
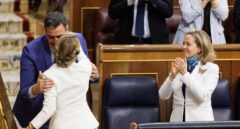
30 126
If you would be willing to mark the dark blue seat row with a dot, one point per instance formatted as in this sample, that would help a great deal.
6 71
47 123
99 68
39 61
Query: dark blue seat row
135 99
129 99
190 125
222 101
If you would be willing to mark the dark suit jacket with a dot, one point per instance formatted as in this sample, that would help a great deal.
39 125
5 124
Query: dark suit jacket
36 56
158 10
236 20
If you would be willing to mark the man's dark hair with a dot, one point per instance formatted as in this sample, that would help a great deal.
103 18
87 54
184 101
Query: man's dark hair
54 19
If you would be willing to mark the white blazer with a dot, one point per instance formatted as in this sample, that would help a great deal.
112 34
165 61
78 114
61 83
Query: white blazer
200 85
66 102
193 18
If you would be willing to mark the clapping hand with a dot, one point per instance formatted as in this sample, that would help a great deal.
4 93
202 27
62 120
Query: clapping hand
214 4
132 1
181 65
174 71
204 3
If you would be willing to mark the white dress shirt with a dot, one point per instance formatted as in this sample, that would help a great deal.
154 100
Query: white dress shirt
146 24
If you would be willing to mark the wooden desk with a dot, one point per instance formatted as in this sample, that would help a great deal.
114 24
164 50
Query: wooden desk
155 60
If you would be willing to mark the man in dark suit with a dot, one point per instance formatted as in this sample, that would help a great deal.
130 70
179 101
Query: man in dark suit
38 56
236 20
141 21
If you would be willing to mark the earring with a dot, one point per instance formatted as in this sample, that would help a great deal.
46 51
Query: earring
199 52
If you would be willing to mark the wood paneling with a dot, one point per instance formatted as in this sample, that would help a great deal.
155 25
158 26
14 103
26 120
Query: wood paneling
147 59
77 5
87 29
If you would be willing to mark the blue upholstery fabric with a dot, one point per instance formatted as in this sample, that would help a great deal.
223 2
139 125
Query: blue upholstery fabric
191 125
222 101
129 99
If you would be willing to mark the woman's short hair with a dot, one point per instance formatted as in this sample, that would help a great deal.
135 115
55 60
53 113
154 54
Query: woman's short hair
207 53
66 49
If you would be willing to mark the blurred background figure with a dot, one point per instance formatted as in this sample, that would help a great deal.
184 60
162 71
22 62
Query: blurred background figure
53 5
34 5
56 5
236 20
141 21
205 15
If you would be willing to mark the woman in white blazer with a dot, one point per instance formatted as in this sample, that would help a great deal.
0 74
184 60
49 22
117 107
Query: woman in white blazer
66 102
192 80
203 14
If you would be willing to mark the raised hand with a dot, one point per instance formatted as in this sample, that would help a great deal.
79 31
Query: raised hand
132 1
214 4
181 65
174 71
204 3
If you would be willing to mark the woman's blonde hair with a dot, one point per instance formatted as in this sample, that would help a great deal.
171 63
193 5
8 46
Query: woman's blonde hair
67 49
207 53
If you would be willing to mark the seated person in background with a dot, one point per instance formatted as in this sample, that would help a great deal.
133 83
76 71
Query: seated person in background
66 102
38 56
141 21
236 20
192 80
56 5
206 15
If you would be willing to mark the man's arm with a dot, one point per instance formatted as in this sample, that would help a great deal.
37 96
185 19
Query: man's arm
220 9
163 7
29 76
118 8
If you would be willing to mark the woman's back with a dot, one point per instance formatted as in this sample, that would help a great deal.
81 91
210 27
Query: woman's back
71 85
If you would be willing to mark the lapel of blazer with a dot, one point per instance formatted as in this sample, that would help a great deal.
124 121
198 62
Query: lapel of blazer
200 70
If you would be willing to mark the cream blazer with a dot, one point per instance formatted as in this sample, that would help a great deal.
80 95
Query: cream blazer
200 85
66 102
193 18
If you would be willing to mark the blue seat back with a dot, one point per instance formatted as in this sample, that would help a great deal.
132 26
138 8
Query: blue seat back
222 101
129 99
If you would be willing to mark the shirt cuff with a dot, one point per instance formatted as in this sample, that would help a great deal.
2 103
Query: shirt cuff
30 93
95 80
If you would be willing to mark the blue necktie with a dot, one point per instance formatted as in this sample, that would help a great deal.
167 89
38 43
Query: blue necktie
139 30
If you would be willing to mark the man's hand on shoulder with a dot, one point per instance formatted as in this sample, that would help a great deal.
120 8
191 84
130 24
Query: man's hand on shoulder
42 85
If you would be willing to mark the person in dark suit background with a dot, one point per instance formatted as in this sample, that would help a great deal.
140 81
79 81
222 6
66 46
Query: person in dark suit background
141 21
236 20
37 57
